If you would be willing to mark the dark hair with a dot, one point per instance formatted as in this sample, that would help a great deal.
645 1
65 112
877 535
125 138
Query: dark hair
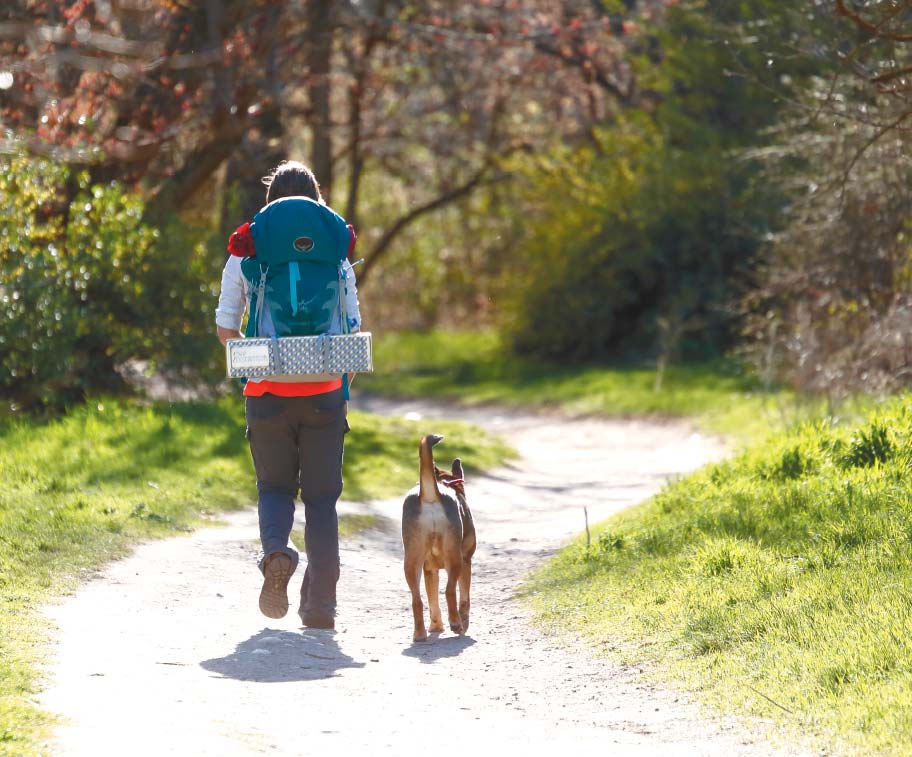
291 179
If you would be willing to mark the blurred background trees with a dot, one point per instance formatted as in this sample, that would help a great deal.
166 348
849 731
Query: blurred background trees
830 309
599 179
660 216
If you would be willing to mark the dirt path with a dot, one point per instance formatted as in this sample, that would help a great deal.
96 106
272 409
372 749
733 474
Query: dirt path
167 654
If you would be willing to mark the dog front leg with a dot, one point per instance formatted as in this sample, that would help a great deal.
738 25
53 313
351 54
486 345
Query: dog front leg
465 585
413 578
432 585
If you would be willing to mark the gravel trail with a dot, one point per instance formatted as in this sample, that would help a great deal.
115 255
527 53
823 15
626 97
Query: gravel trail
166 653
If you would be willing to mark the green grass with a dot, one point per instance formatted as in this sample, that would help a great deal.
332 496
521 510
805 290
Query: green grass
786 572
353 524
81 490
381 455
472 368
350 526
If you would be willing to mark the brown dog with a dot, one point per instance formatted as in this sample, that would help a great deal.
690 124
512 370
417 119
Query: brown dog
438 532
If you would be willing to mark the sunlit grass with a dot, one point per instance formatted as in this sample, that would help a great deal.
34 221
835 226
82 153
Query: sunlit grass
472 367
81 490
784 573
350 526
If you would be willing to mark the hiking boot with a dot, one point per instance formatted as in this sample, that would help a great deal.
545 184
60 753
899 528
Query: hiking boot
277 570
318 620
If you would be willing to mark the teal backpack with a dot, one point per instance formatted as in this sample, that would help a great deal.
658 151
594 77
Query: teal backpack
297 273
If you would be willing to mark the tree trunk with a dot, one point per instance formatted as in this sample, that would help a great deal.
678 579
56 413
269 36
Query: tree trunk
262 149
319 61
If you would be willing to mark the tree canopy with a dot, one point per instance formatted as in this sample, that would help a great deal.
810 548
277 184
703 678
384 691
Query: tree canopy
600 178
434 95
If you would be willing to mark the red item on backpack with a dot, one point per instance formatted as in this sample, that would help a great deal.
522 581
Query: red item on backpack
352 238
240 243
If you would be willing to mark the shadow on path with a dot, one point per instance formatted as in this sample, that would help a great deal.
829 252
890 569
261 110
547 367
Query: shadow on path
278 656
436 647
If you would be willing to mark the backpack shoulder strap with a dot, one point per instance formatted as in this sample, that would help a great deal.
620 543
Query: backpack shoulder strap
255 274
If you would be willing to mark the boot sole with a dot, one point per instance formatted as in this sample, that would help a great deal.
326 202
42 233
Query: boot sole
277 572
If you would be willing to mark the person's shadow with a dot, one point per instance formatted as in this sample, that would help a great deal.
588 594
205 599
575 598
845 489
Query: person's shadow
278 656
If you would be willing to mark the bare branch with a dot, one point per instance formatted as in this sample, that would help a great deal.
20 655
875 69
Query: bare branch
385 242
891 75
876 30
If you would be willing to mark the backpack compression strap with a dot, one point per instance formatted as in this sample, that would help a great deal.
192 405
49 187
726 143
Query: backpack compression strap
257 302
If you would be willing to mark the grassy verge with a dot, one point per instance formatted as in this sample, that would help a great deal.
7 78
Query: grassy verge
80 491
472 368
350 526
784 574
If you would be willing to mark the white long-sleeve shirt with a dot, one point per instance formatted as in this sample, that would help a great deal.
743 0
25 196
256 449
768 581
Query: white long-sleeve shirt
234 299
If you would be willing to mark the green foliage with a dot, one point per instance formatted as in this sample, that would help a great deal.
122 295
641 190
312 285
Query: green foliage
869 446
649 245
443 268
350 526
640 240
830 311
785 570
579 277
793 464
86 286
381 455
609 541
80 490
476 367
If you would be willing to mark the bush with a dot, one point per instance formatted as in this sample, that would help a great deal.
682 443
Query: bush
832 310
86 285
642 240
639 248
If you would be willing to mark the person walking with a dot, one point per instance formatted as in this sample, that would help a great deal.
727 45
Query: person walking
295 428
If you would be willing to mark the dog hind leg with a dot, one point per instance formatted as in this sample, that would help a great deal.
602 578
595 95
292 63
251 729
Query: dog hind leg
454 570
432 585
413 577
465 585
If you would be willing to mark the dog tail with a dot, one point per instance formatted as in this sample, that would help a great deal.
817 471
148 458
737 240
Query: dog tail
428 491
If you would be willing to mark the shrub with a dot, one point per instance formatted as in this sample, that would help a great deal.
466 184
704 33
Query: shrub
640 240
869 445
639 253
86 285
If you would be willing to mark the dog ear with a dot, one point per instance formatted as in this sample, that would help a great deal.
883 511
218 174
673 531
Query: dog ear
457 468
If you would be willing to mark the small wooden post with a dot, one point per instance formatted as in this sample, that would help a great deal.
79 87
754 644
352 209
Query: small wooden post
588 538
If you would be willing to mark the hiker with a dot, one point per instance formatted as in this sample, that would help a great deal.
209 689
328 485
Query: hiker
295 428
